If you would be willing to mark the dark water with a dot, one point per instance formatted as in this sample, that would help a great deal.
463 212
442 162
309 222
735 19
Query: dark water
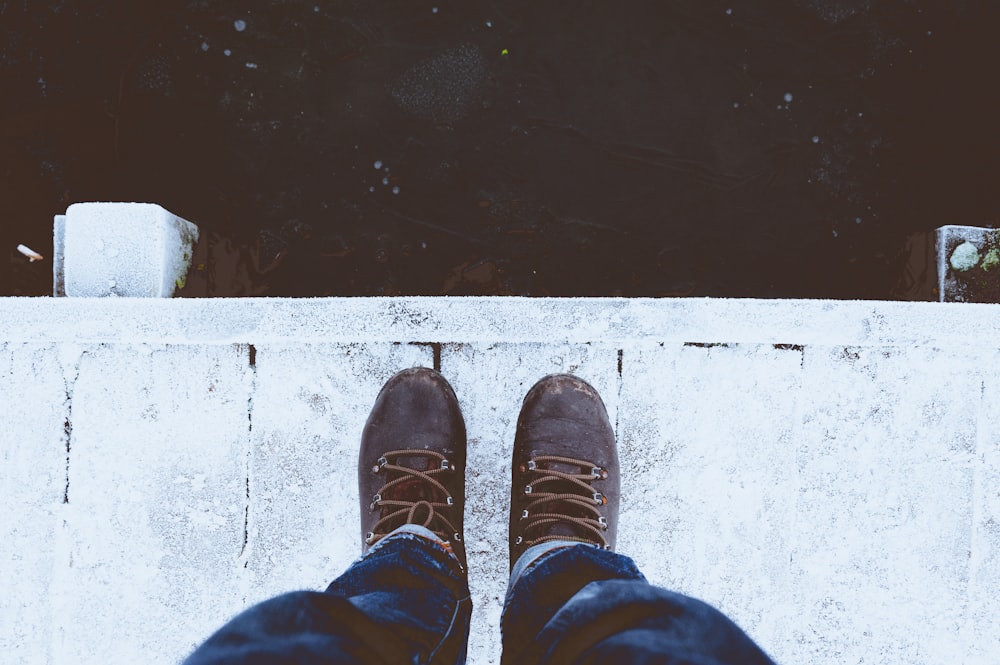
656 147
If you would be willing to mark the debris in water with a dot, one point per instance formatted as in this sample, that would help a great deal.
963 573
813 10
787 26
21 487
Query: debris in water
965 257
30 253
445 87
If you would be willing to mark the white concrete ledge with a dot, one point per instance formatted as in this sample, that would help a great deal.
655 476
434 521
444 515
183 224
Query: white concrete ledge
501 319
823 472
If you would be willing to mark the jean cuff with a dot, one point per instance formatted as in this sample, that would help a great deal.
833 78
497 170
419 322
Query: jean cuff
415 530
532 555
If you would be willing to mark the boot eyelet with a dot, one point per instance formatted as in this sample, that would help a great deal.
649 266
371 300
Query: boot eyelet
379 463
519 540
527 489
599 499
532 465
603 522
375 501
597 472
457 537
445 464
450 501
369 537
524 514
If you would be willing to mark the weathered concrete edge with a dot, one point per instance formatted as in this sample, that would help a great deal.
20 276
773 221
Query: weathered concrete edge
496 319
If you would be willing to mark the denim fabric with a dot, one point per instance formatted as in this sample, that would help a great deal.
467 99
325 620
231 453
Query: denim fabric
548 584
528 557
582 604
405 601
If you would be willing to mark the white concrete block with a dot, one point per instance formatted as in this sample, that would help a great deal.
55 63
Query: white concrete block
616 321
880 563
838 498
708 476
981 631
491 381
33 410
309 407
121 249
157 502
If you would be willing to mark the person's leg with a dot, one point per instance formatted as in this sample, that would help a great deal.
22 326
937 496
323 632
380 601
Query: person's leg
571 598
583 604
413 585
407 598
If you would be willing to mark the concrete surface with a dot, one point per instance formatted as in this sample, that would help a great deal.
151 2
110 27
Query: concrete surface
826 473
134 250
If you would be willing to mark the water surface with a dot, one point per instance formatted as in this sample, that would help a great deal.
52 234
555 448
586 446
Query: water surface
647 148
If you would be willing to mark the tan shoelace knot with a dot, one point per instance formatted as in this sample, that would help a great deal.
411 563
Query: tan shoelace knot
408 512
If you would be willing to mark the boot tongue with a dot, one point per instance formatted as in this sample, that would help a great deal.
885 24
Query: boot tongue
570 469
415 490
564 529
565 507
418 462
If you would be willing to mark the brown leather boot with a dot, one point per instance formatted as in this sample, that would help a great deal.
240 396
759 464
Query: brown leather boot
565 474
411 469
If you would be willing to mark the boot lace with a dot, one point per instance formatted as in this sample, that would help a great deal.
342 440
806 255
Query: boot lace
560 497
397 511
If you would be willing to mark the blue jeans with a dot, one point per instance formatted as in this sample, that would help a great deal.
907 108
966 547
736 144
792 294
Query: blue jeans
407 601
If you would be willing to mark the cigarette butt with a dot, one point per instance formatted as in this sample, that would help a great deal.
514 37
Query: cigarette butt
30 253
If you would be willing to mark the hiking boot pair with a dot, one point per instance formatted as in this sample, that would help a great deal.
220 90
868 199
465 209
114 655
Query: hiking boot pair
564 472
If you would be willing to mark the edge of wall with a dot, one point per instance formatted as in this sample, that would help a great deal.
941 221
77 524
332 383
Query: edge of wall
486 319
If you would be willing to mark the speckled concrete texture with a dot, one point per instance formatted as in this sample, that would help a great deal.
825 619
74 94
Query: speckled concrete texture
825 473
309 407
153 525
709 478
32 485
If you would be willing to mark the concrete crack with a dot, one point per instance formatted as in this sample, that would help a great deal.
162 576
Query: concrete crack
69 383
68 434
436 349
248 452
621 382
793 347
246 520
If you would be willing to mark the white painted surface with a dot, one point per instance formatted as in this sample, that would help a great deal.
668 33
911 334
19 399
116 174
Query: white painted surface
134 250
33 410
309 407
498 319
836 495
151 536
